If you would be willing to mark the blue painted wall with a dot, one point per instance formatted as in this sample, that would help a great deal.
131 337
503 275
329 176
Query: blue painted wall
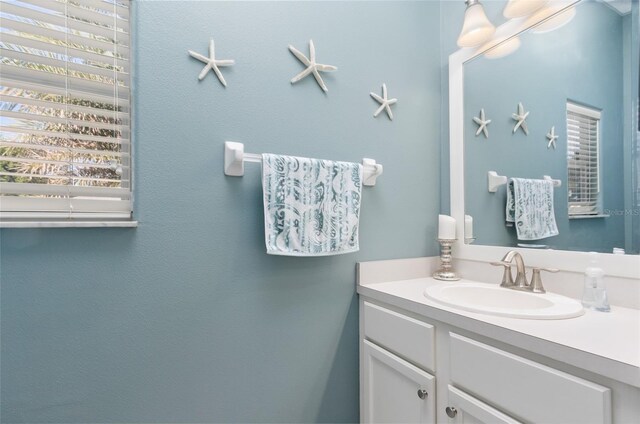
581 62
186 319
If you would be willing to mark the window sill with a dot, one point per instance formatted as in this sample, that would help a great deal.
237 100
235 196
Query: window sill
68 224
590 216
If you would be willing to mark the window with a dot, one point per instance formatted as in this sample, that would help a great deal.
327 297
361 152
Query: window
65 145
583 160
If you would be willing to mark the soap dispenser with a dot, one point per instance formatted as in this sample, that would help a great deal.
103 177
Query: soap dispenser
595 293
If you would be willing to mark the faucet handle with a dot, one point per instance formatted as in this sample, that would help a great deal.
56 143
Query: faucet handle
507 278
554 270
536 281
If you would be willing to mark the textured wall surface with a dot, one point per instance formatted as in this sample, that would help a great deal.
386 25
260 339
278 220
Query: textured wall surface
186 319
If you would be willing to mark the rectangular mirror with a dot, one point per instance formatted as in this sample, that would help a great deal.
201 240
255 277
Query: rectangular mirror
575 79
557 75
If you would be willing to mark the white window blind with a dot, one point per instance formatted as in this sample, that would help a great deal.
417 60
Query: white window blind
583 160
65 146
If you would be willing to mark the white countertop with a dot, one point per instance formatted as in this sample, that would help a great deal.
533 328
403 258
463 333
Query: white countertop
604 343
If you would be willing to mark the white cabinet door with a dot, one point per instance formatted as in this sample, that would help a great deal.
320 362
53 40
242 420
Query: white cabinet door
394 391
465 409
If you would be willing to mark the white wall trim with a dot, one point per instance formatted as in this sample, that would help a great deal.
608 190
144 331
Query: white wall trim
583 110
68 224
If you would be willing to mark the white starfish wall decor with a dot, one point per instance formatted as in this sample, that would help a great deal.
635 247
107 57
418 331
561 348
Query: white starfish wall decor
521 117
212 63
312 67
552 138
385 103
482 124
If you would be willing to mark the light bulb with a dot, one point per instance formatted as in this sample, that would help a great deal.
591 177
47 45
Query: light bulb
476 28
521 8
504 48
555 22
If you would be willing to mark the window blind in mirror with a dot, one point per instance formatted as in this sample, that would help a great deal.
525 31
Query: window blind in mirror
583 162
65 145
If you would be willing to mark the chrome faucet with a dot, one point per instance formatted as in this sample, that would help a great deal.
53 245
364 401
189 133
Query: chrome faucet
520 283
521 276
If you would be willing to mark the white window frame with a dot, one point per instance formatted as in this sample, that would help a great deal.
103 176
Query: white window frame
38 214
596 115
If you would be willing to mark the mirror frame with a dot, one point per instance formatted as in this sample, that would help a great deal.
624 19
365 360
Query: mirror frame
626 266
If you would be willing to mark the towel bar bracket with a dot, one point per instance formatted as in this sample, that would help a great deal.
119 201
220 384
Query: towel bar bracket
494 181
371 171
235 157
556 183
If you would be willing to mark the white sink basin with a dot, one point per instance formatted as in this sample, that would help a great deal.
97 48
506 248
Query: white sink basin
494 300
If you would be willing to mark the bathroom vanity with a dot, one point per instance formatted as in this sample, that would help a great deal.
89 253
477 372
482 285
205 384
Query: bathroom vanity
423 362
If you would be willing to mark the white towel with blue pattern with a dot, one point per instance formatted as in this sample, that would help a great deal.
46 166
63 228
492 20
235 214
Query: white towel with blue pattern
311 206
530 207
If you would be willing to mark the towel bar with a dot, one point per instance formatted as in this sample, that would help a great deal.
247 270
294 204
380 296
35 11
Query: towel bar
235 157
494 181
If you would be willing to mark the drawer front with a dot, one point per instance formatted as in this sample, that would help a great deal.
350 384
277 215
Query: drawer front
469 410
407 337
526 389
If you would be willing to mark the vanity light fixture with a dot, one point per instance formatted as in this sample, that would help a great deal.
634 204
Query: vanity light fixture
555 22
476 29
521 8
502 44
505 48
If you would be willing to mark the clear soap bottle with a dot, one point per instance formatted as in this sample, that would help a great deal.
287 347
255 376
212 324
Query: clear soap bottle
595 293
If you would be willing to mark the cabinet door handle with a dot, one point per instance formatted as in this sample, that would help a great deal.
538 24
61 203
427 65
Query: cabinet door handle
451 411
422 393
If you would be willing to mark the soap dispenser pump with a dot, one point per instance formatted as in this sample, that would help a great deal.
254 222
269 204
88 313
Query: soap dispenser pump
595 293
